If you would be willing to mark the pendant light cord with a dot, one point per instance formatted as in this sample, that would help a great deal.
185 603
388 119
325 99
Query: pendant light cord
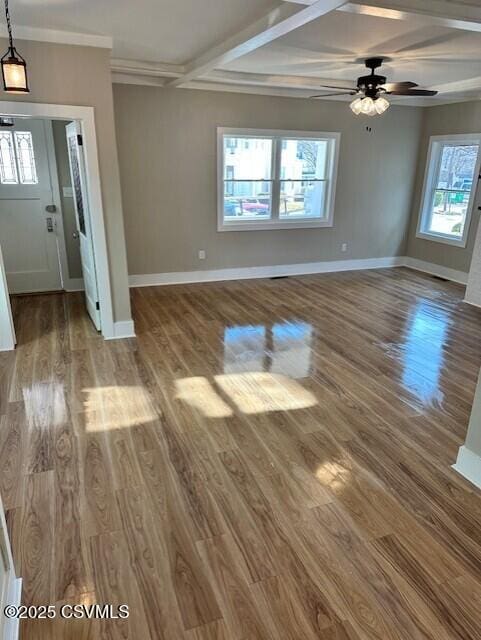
9 24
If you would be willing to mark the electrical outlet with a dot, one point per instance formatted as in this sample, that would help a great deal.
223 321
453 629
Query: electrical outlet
201 254
344 247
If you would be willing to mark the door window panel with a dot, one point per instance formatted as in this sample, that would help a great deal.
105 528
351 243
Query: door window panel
8 168
25 157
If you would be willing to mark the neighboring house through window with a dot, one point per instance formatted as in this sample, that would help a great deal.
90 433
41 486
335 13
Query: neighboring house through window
450 184
276 179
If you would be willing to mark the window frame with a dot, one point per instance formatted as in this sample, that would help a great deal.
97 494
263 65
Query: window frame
436 145
276 222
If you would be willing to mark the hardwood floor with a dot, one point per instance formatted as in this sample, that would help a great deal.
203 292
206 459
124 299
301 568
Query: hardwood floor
267 460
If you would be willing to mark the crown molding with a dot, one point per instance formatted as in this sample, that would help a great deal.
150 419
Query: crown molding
155 74
150 69
59 37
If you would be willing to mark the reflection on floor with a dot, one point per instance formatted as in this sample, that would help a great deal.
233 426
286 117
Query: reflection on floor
268 459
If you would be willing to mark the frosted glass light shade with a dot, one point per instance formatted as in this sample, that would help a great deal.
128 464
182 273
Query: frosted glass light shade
369 107
14 72
381 105
356 106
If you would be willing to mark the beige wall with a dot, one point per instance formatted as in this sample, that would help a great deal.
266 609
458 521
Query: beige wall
463 117
72 245
62 74
167 156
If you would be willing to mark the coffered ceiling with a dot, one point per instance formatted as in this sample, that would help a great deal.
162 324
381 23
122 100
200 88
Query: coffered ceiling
270 46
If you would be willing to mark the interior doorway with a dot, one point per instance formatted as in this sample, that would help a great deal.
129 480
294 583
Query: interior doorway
31 208
46 225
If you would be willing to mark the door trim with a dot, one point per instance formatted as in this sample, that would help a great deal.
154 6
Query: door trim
85 115
7 330
9 627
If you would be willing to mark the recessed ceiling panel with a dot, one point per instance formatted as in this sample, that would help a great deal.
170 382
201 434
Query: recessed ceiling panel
172 31
330 46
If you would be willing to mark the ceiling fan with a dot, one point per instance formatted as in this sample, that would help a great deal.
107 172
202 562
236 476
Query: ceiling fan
372 89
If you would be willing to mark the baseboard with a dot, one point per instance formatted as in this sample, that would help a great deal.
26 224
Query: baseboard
473 304
122 329
74 284
436 270
468 465
247 273
300 269
11 629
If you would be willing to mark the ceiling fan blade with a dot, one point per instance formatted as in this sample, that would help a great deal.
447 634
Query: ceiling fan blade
398 86
414 92
333 86
326 95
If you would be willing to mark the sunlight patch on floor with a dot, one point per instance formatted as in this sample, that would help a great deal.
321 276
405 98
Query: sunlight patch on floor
109 408
199 394
250 392
333 475
45 404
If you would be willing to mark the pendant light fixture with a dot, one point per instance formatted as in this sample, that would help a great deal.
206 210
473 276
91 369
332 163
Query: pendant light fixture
14 67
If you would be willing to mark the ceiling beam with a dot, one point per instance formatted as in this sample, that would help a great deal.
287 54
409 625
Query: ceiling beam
274 80
444 13
279 22
441 13
460 86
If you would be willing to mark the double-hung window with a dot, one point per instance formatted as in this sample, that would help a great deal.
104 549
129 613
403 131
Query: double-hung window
276 179
450 184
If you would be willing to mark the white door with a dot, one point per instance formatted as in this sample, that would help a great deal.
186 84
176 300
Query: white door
28 218
82 213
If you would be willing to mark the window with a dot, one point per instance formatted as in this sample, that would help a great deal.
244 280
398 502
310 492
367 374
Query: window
275 179
18 160
25 157
8 167
449 188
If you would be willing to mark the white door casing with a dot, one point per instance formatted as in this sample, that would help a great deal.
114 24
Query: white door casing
84 225
28 231
10 585
85 115
7 330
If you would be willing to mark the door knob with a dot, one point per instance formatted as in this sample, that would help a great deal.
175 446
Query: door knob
51 208
75 235
49 225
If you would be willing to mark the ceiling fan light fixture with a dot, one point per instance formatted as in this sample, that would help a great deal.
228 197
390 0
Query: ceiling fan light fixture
368 108
381 105
356 106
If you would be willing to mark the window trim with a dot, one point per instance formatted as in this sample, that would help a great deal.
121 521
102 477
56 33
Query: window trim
431 171
275 222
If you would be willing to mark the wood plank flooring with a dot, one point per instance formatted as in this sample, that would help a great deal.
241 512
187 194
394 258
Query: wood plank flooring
267 460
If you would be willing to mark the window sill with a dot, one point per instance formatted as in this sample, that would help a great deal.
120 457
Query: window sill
434 237
278 224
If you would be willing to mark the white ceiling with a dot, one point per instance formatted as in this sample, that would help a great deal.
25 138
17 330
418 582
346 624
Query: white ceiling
173 31
329 47
149 35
